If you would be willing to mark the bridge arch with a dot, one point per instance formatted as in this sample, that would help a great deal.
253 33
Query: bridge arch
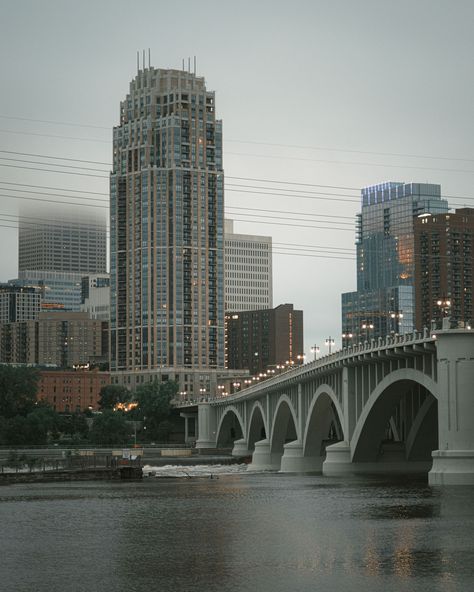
231 427
324 412
257 428
284 425
377 411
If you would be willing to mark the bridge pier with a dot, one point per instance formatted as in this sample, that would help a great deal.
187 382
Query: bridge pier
241 448
453 463
263 459
294 461
207 426
338 459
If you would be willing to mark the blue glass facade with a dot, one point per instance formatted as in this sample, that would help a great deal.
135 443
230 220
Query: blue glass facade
384 300
167 220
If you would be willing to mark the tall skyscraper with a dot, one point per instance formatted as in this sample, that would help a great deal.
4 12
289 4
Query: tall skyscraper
444 266
384 301
167 230
56 248
67 239
247 270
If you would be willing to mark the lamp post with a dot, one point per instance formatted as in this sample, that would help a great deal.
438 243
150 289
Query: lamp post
395 321
346 338
315 351
329 342
367 327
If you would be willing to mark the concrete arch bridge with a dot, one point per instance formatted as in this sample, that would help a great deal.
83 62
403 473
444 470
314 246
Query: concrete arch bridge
404 404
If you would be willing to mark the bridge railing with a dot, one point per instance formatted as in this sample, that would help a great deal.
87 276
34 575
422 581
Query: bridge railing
329 360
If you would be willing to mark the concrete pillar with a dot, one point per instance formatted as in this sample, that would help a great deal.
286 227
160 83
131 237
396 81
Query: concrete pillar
453 463
207 426
241 448
294 461
338 459
263 459
187 417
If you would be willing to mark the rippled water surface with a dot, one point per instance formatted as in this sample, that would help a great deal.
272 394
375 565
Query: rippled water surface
239 532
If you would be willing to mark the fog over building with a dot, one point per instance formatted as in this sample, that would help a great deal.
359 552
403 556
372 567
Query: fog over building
56 248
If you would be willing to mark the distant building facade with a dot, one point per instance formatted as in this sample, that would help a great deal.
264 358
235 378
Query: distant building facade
61 339
70 391
384 301
18 303
444 266
56 248
247 271
260 339
68 239
95 296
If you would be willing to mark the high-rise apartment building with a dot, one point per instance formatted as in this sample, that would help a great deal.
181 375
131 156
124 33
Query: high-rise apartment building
56 248
247 270
167 231
444 266
384 301
18 303
257 340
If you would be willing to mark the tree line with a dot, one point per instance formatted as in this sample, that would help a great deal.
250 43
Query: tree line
144 414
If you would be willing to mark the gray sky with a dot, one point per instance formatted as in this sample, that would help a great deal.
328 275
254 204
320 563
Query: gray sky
329 86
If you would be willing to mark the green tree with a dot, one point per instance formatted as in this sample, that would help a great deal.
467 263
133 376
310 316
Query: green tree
154 406
18 388
111 394
110 428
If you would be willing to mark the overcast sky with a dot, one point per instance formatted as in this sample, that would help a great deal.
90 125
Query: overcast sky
336 93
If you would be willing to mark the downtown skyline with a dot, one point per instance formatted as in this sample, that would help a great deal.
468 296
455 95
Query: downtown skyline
340 87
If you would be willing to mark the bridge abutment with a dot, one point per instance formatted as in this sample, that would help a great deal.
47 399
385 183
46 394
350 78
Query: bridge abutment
453 462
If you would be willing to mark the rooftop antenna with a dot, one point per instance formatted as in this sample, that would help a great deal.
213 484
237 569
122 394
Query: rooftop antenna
149 58
183 64
189 65
194 65
138 61
143 59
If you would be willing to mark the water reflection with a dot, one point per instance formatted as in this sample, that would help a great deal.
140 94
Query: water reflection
241 532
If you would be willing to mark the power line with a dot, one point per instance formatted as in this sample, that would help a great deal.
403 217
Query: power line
255 142
57 164
5 131
348 150
342 162
13 166
55 157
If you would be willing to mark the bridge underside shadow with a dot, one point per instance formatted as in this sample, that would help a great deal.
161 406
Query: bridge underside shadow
397 435
230 431
323 428
268 453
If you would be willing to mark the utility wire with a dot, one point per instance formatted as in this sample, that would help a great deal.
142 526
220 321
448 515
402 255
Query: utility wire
255 142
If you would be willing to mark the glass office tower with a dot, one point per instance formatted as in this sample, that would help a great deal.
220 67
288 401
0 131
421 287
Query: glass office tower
167 221
384 300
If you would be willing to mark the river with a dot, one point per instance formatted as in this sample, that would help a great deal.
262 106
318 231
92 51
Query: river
237 533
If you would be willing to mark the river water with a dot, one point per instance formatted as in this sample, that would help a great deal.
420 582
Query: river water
235 533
